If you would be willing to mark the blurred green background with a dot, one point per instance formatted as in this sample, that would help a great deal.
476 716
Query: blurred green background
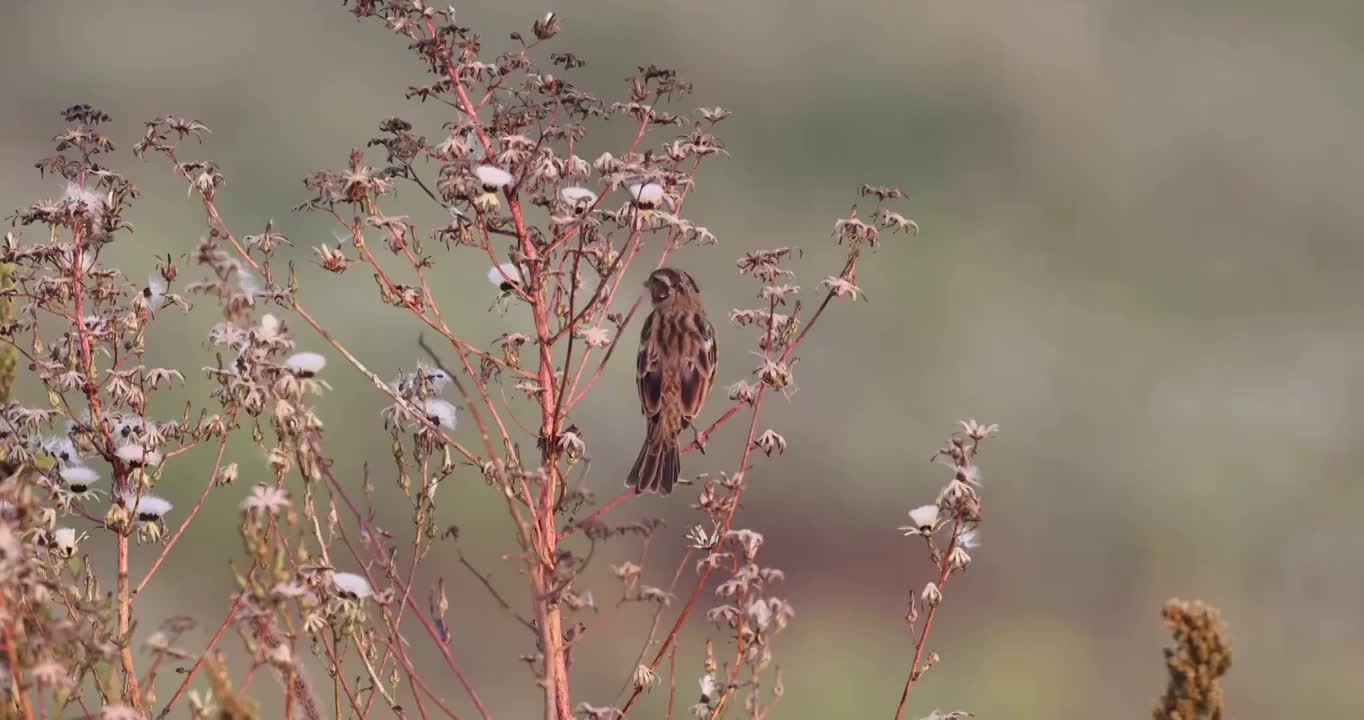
1140 255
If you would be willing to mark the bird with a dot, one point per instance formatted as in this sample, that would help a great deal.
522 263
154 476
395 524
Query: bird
675 369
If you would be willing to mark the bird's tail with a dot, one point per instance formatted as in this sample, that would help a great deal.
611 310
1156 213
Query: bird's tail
659 463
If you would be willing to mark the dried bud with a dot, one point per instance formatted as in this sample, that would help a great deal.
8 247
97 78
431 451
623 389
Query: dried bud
644 677
332 259
931 596
770 442
743 391
547 26
168 271
626 571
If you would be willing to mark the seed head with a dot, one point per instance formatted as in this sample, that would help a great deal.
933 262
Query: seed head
506 275
646 195
923 521
644 677
352 586
64 542
138 456
439 412
148 508
306 364
493 179
78 478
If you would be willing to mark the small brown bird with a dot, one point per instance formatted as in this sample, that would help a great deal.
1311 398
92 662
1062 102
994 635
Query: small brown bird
674 370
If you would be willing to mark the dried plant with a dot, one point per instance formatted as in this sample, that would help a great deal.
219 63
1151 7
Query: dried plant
1200 656
315 576
956 514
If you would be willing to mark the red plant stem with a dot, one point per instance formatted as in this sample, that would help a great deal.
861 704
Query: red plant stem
541 566
216 219
236 605
374 693
434 698
573 526
387 560
458 85
212 480
91 389
943 573
339 682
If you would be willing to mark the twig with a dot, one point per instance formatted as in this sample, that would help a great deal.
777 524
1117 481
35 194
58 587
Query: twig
212 480
493 591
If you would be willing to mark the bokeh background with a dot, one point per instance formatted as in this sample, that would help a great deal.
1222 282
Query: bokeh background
1140 255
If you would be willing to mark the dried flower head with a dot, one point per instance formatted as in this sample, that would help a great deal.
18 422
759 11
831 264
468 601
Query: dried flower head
62 450
770 442
546 27
923 520
440 412
65 541
701 539
305 364
266 499
148 508
646 196
578 198
271 328
351 586
492 178
506 276
138 456
979 431
119 712
644 677
595 336
78 478
931 595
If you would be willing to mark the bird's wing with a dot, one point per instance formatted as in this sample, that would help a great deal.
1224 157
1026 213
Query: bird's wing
698 365
649 369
